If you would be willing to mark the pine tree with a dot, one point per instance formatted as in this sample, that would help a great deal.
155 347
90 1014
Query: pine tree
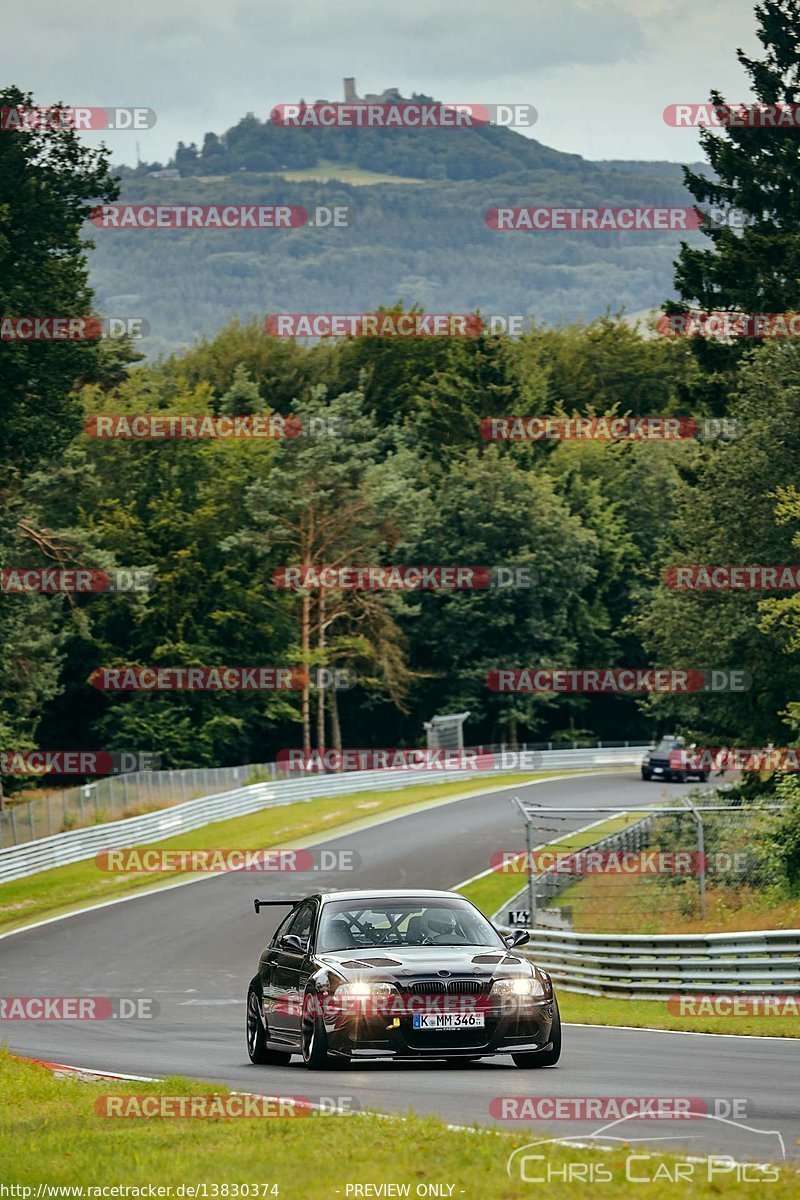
756 174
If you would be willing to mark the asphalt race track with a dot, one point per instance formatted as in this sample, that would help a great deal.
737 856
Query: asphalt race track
194 948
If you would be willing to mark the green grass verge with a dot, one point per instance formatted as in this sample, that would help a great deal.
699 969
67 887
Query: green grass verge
491 891
605 1010
328 169
64 889
53 1135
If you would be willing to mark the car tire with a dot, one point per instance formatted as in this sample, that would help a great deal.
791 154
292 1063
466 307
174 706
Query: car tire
314 1037
647 776
703 776
257 1049
546 1058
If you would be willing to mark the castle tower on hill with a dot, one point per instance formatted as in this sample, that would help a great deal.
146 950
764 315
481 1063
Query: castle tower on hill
352 97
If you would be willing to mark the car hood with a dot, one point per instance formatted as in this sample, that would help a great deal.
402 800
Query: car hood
407 962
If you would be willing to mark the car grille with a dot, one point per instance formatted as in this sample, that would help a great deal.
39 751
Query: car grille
455 987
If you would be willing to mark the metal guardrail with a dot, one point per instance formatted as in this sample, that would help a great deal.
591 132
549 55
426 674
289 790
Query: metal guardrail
76 845
652 967
117 797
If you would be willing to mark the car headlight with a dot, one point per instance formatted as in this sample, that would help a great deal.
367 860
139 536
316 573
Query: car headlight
523 985
363 989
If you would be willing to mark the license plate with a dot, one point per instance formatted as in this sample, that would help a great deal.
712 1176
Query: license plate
658 770
449 1020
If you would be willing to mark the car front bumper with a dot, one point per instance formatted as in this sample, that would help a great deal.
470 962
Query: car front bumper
524 1026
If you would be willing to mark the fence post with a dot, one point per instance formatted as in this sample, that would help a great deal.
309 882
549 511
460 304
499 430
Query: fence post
701 852
30 820
531 881
14 838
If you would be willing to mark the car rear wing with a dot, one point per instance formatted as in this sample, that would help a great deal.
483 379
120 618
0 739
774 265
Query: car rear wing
259 904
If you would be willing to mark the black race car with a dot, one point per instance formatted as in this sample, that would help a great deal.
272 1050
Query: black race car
397 975
668 761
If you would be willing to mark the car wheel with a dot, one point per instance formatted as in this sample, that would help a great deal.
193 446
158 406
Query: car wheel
313 1036
546 1058
257 1047
703 776
647 776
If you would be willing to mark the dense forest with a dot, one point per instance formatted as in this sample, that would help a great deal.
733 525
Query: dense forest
420 240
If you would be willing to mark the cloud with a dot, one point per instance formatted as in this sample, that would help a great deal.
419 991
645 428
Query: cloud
201 64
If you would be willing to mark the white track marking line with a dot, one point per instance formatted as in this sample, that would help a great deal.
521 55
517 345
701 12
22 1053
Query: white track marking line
755 1037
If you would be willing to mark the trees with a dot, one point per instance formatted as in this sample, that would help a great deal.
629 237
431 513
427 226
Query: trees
756 173
726 513
48 182
485 510
333 497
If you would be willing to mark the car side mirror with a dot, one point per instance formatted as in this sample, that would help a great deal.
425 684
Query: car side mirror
291 941
518 938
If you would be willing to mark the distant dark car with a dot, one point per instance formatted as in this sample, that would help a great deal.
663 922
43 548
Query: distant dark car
667 761
397 975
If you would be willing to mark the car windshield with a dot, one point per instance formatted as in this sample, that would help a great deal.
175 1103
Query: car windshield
362 924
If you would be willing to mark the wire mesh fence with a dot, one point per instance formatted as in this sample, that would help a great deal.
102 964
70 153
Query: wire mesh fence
117 797
717 864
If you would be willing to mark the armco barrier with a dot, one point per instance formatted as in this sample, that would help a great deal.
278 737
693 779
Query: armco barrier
652 967
79 844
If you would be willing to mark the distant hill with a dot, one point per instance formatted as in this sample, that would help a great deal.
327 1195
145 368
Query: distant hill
419 235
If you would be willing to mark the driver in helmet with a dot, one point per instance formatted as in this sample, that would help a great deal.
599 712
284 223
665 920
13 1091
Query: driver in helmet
439 926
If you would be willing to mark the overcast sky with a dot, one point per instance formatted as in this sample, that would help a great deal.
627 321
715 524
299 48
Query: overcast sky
600 72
